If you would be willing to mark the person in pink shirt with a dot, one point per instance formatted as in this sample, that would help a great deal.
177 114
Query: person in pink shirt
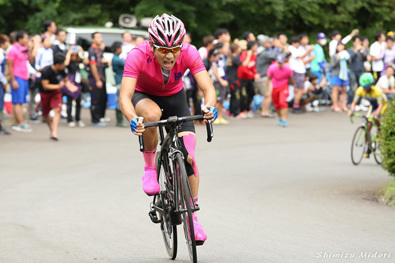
17 59
152 88
280 74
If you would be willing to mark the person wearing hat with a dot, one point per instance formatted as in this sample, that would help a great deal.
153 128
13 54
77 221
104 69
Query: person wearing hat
279 75
318 64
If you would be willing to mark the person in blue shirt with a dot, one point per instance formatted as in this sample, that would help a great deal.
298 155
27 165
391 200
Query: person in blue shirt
117 66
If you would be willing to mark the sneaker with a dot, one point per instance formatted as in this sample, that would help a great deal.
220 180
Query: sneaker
105 119
99 124
282 123
297 111
3 131
81 124
250 114
269 116
150 181
241 116
21 128
34 119
223 121
71 124
200 235
16 127
367 153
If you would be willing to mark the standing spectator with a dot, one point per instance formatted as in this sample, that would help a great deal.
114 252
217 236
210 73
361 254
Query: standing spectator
60 42
117 66
139 40
247 74
53 78
389 54
249 36
233 64
72 62
4 44
304 46
386 83
318 64
127 44
377 51
357 58
263 61
220 80
50 30
34 45
279 74
297 65
44 55
339 78
97 81
17 60
282 37
208 44
336 37
222 35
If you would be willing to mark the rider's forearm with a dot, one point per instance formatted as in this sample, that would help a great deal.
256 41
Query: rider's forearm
125 98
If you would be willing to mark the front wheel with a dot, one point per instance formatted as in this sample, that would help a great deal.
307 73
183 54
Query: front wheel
169 230
358 145
184 201
377 152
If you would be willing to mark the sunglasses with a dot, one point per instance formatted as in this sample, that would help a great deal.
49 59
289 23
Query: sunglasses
165 50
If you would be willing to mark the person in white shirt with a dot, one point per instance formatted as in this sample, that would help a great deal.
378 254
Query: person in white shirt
208 43
127 44
336 37
377 51
386 83
297 65
304 45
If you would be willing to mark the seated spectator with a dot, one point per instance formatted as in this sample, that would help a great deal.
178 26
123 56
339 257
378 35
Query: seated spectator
313 90
386 83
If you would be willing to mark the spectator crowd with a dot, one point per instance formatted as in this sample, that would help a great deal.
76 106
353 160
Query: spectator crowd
253 76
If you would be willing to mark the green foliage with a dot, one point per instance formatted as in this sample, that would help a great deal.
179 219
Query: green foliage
387 142
387 194
202 17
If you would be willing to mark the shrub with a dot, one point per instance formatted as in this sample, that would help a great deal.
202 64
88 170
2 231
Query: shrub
387 142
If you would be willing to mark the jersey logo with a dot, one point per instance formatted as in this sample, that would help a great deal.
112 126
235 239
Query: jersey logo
149 60
178 75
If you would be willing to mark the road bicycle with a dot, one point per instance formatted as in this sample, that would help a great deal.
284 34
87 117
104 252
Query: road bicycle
174 204
364 139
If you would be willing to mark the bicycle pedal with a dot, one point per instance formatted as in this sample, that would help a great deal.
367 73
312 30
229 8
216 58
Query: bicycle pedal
154 218
199 243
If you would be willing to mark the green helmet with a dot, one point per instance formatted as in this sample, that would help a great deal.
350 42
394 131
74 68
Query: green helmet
366 80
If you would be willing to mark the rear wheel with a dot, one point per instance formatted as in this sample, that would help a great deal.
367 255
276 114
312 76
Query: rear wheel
169 230
184 197
358 145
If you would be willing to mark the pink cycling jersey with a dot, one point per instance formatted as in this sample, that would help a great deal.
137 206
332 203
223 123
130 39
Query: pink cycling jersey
141 65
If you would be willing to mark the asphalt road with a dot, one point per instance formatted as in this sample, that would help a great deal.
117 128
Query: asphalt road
268 194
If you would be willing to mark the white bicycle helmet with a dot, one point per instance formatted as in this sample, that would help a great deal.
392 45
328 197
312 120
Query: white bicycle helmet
166 31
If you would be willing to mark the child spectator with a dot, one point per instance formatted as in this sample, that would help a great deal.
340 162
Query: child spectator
336 37
339 78
279 74
386 83
304 46
72 62
53 78
313 89
4 44
220 80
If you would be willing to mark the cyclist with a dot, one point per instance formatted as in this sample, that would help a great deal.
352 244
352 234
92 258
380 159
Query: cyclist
152 88
373 94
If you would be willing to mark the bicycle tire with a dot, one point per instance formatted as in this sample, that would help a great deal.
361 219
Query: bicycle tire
377 153
184 198
358 143
169 231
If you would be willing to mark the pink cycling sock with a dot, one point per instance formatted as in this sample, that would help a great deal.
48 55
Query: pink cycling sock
296 106
149 158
